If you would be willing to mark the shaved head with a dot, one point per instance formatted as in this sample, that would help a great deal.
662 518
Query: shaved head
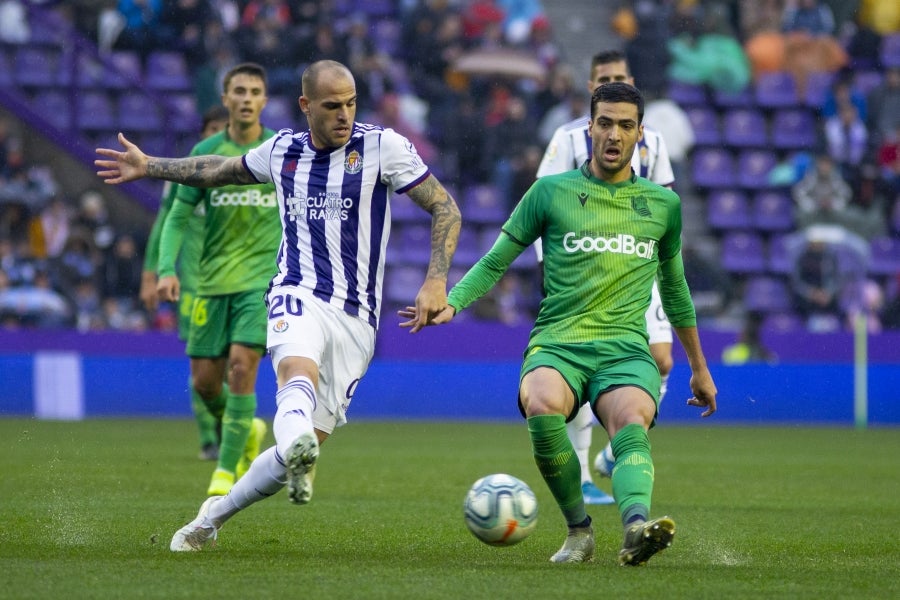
312 76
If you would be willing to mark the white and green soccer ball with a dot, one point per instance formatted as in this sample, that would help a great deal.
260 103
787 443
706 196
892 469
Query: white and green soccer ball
500 510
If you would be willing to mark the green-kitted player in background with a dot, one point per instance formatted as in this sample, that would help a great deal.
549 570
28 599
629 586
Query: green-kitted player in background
241 235
606 233
214 120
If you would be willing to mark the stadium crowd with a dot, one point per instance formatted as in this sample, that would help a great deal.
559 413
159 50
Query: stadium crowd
420 68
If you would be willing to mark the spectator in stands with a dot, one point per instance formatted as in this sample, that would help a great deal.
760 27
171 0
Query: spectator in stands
122 271
884 107
809 16
182 27
266 37
93 217
749 347
843 92
80 263
888 158
36 303
140 25
822 195
504 143
56 221
847 140
816 283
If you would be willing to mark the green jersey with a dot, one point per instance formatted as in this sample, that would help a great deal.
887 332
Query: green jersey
603 246
241 233
189 258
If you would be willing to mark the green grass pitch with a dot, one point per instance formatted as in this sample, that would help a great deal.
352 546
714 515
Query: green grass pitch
87 510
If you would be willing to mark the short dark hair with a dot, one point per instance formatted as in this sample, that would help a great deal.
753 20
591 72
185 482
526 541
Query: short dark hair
618 91
608 56
214 113
247 68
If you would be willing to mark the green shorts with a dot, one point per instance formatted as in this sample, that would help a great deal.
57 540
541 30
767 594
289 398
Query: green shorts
217 322
185 308
592 368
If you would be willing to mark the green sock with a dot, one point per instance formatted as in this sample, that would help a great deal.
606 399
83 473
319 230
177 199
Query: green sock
207 424
558 464
236 422
632 477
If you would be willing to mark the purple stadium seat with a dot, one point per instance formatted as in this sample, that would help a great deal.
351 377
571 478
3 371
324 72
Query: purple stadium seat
386 35
794 129
744 128
483 204
184 117
773 211
783 250
728 209
786 322
94 110
54 106
138 112
885 257
818 84
401 284
127 66
894 223
753 168
468 248
713 168
705 122
890 50
742 99
743 252
413 244
6 69
767 295
404 210
279 113
866 81
167 71
37 66
776 90
687 94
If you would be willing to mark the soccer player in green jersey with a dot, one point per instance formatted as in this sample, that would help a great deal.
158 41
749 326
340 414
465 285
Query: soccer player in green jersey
214 120
241 235
606 234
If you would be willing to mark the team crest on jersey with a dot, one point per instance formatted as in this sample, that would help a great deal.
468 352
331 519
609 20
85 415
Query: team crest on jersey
353 164
280 326
639 205
645 155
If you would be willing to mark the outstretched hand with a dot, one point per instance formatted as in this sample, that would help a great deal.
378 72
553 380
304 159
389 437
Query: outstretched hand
431 307
122 166
704 392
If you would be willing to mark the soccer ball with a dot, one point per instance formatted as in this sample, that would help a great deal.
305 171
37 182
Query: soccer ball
500 510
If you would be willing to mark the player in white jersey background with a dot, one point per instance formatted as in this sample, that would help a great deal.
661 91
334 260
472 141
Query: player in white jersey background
569 148
333 186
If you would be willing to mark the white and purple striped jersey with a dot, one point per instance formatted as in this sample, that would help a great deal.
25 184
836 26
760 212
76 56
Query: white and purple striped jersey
335 211
571 146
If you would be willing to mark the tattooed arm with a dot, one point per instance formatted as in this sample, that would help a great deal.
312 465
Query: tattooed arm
195 171
445 224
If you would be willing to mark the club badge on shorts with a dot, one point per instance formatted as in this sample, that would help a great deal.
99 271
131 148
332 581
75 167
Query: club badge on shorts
280 326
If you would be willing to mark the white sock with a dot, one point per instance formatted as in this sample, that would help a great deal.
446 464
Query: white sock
580 431
263 479
663 386
608 453
296 402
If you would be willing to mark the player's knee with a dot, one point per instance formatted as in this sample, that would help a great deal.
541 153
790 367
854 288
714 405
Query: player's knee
664 363
207 387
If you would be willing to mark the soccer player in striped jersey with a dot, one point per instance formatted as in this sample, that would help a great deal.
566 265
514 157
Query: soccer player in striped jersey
241 232
569 148
214 120
607 234
334 185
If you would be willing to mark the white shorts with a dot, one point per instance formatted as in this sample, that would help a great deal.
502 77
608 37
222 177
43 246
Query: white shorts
658 327
340 344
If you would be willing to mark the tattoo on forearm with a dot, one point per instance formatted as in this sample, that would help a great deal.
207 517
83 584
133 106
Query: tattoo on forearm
200 171
445 224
